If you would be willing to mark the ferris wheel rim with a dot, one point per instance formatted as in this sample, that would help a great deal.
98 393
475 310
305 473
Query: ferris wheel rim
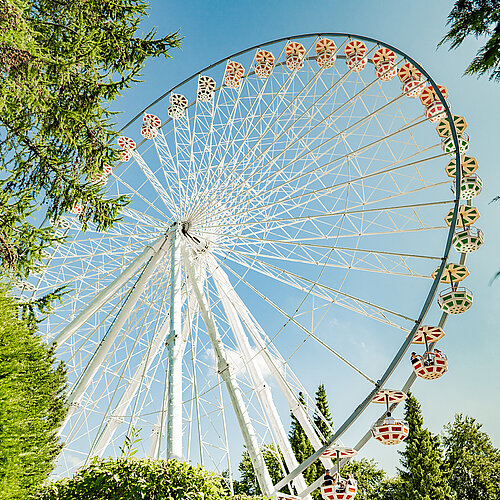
295 37
452 227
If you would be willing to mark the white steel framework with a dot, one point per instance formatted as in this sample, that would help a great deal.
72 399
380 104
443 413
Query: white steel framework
283 231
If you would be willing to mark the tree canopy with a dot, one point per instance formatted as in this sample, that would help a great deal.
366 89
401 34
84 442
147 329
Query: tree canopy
32 404
423 476
477 18
323 421
322 417
247 484
369 477
471 458
469 468
61 63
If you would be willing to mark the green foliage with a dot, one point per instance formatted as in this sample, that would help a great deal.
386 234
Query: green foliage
131 439
248 484
473 461
323 418
324 423
301 448
368 476
31 309
478 18
21 244
388 489
32 404
61 63
469 469
133 479
423 476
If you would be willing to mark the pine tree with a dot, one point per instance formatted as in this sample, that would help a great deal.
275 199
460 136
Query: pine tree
324 423
473 461
423 475
323 420
61 64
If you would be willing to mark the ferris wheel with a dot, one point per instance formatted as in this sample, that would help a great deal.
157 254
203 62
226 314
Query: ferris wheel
291 218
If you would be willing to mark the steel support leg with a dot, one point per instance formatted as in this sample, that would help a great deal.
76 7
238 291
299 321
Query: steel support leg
263 390
100 354
175 347
177 355
104 295
225 372
257 334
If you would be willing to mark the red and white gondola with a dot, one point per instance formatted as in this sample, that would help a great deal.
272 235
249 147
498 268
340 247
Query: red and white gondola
355 53
389 430
334 486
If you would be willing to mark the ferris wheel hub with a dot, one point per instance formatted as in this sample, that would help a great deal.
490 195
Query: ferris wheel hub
185 225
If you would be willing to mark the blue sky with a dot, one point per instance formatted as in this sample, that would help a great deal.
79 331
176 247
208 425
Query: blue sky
214 30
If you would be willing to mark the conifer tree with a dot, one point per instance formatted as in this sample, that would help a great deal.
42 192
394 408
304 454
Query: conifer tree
479 19
32 404
61 64
423 475
323 422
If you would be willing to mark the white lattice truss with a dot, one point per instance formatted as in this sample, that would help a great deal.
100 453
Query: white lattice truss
257 219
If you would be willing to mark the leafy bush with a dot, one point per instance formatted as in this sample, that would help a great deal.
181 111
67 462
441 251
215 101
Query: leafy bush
32 404
130 478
